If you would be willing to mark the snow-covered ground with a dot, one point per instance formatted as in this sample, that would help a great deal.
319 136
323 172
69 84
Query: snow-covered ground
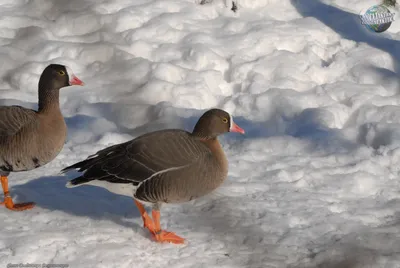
315 182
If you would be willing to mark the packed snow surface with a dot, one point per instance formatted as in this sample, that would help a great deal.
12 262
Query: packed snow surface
314 182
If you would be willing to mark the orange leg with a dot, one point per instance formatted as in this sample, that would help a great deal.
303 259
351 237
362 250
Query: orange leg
155 228
147 221
8 203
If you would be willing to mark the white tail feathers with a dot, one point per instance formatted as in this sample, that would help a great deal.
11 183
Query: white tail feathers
70 185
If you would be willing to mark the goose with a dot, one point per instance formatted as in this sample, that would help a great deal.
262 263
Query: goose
30 139
161 167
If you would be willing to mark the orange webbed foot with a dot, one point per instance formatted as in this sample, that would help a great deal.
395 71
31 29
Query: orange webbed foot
160 236
8 203
170 237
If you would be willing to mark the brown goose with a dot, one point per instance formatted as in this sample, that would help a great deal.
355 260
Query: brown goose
167 166
30 139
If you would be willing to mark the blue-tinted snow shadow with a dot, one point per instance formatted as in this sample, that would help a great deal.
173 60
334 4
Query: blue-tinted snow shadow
49 192
79 121
81 124
305 125
349 26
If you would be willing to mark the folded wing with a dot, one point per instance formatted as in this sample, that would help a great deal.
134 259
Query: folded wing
13 119
142 158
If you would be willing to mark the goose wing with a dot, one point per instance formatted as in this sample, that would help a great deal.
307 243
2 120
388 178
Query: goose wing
143 157
13 119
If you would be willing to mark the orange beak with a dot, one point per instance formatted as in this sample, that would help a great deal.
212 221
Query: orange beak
75 81
236 128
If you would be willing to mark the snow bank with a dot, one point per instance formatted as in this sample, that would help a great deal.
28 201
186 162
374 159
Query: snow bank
314 183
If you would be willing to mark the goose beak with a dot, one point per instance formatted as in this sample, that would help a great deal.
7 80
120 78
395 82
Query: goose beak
75 81
236 128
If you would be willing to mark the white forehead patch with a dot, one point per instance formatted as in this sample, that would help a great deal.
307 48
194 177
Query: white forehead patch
231 122
69 72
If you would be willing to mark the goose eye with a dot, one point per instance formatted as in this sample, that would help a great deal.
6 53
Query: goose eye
225 120
61 72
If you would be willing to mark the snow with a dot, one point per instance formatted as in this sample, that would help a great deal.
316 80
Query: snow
313 183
